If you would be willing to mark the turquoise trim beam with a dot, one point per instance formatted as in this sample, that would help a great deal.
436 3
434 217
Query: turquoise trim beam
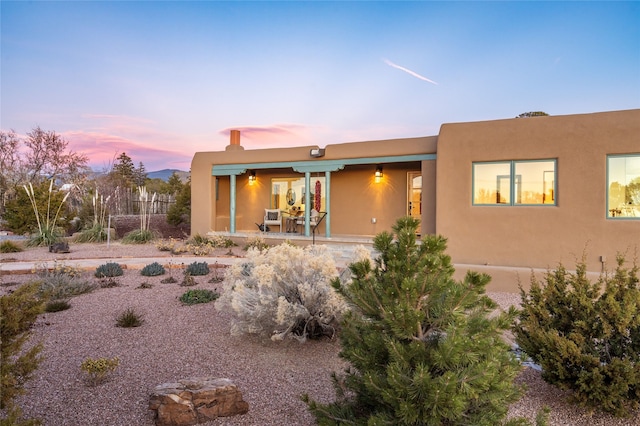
315 166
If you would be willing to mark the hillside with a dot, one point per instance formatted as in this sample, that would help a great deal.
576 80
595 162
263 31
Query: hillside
166 173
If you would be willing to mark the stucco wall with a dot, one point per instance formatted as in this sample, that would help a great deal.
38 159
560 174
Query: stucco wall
536 236
355 197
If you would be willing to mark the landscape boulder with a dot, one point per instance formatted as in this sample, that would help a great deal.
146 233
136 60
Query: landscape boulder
61 247
193 401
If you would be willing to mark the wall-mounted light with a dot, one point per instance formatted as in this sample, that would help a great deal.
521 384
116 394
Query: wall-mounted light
252 177
378 174
316 152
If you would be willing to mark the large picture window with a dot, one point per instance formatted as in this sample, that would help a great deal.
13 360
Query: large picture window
288 194
623 186
509 183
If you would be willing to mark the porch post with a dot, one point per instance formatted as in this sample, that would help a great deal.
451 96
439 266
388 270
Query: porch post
327 204
232 204
307 203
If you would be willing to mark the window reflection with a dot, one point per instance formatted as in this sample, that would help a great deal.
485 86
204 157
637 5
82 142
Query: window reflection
515 182
288 194
623 185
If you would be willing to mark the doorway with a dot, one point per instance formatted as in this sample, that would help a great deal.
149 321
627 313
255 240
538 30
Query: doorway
414 196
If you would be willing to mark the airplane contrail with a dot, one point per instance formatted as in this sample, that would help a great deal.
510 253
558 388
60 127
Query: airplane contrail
415 74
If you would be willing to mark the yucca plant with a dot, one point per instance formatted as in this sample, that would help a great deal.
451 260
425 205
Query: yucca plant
48 231
144 234
98 231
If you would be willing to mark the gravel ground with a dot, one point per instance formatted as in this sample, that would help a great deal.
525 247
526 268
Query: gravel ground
177 342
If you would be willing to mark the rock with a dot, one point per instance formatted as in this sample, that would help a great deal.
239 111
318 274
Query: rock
193 401
59 248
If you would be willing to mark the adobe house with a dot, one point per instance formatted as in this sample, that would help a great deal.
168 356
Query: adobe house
509 195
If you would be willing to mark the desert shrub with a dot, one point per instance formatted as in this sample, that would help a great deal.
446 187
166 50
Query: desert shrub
586 336
18 312
166 245
256 242
283 292
62 282
9 246
152 270
145 285
109 282
34 210
198 268
109 269
221 241
129 318
139 236
168 280
217 275
200 250
187 279
97 233
198 295
198 240
57 305
424 348
98 370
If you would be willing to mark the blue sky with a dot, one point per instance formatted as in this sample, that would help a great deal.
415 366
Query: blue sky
163 80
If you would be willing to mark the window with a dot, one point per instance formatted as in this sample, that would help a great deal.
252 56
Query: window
623 186
288 194
515 183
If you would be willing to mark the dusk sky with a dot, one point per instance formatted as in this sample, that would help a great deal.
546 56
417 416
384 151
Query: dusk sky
163 80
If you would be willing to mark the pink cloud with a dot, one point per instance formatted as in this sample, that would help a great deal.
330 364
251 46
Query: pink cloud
103 148
107 136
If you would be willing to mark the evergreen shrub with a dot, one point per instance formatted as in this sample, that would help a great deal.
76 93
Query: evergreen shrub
152 270
283 292
198 295
18 313
109 269
197 268
586 336
423 348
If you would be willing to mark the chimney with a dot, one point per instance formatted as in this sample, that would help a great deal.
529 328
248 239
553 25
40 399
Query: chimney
234 141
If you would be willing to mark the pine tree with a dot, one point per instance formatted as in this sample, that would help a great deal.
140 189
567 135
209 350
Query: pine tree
586 336
18 313
424 348
124 170
140 175
180 211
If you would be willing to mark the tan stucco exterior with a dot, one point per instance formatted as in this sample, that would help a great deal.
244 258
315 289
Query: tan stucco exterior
356 198
536 236
502 239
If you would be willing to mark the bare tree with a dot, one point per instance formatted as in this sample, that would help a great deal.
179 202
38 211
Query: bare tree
40 156
47 157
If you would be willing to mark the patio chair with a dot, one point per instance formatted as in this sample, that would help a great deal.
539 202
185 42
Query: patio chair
314 217
272 217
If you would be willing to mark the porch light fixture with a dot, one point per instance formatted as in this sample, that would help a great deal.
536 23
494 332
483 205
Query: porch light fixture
316 152
378 174
252 177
